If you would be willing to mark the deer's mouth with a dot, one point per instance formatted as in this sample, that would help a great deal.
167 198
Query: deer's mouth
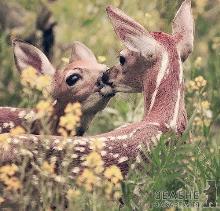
106 88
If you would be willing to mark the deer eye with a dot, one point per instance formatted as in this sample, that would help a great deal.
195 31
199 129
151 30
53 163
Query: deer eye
122 60
72 79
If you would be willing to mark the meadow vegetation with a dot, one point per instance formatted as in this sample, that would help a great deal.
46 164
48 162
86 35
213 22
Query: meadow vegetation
183 164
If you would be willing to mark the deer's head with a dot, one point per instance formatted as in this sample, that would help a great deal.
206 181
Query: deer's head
148 54
76 82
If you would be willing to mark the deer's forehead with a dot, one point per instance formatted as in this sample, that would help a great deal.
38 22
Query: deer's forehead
88 65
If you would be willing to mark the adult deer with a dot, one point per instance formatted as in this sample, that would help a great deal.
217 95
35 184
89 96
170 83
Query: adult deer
152 62
76 83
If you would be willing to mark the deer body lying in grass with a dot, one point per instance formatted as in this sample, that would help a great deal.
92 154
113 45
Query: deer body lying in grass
76 83
152 62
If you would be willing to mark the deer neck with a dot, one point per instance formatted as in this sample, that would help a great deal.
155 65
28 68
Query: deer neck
164 97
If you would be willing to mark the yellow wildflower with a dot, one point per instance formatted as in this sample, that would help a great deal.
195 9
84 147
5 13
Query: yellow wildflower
62 132
205 104
117 195
198 121
28 77
113 173
1 200
198 62
94 161
216 43
197 84
73 108
48 168
9 170
3 138
200 81
13 184
72 194
65 60
43 81
44 108
17 131
96 144
101 59
69 121
88 179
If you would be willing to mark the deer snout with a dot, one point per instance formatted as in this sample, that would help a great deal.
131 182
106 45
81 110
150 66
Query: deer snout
105 86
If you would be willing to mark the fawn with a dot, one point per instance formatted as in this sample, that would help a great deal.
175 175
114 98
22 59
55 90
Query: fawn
77 82
154 61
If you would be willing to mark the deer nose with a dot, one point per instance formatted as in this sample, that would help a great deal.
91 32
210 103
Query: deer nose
105 77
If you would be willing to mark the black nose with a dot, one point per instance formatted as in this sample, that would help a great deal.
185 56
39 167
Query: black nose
105 77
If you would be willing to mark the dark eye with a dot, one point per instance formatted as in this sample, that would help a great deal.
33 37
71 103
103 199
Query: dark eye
122 60
72 79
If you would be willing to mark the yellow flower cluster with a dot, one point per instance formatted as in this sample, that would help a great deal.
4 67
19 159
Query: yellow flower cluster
94 166
101 59
44 108
72 194
95 175
114 177
30 78
198 62
204 114
17 131
4 141
48 168
7 173
197 84
70 120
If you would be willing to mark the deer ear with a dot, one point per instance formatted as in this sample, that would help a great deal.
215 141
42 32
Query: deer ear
81 52
183 27
27 55
131 33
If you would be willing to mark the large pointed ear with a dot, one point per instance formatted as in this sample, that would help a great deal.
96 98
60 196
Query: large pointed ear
131 33
81 52
27 55
183 27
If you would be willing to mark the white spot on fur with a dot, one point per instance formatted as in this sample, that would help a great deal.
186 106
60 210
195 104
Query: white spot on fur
103 153
103 139
76 170
80 149
122 159
125 145
111 138
69 140
173 122
11 124
22 137
74 156
115 155
181 70
160 76
0 129
122 137
21 114
5 125
154 123
82 142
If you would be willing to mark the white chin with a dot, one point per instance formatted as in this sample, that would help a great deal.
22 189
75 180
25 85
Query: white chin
106 90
